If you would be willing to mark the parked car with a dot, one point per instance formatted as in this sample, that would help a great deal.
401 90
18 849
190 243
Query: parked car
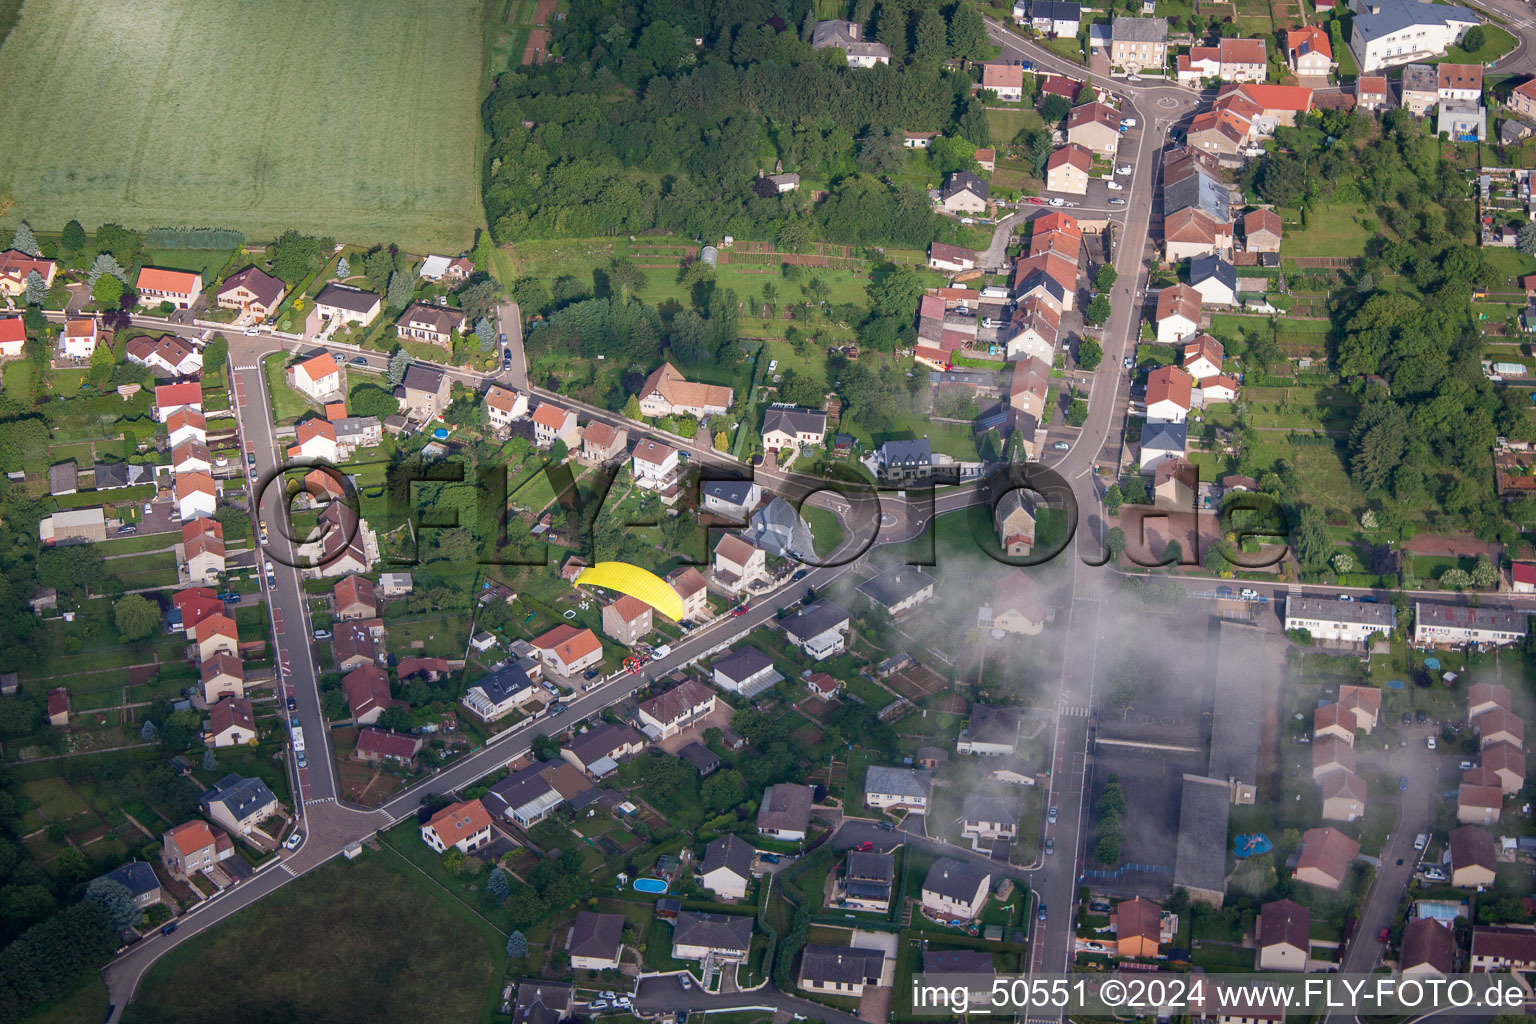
250 460
126 529
359 361
1421 840
1133 78
1381 936
556 709
1402 782
293 841
797 577
148 508
1429 741
1116 201
887 826
740 609
1058 201
1034 200
1420 716
1114 186
1249 594
598 1005
1050 815
252 331
292 704
865 846
773 364
322 634
768 858
1347 598
168 928
1129 122
1050 846
1041 915
1123 169
1062 446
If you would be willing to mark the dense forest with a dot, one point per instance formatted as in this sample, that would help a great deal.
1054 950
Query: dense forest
1404 336
637 126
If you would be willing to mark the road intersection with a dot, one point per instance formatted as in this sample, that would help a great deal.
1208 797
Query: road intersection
331 826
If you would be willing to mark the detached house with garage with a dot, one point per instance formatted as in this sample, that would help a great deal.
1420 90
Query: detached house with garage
1178 313
1067 170
339 304
464 826
669 713
666 392
251 291
905 789
430 324
567 650
1007 80
724 938
817 630
319 378
785 811
1095 126
726 869
504 406
78 339
738 564
178 287
954 890
553 423
788 426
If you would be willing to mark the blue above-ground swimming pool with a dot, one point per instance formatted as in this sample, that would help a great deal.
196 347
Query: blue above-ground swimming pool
654 886
440 433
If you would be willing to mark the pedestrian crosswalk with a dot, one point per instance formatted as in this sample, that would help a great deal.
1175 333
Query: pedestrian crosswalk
320 800
1075 711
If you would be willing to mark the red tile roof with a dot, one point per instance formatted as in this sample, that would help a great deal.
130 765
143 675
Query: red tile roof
1072 153
12 329
191 837
179 282
188 392
1310 39
460 821
568 643
318 367
1169 383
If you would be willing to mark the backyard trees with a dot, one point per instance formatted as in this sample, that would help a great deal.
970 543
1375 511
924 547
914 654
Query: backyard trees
1089 354
1098 310
399 362
106 263
517 945
135 617
115 897
400 290
73 237
25 241
36 290
343 269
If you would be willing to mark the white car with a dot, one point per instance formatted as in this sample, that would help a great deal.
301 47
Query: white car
773 365
293 841
1058 201
251 332
1114 186
989 322
1129 122
1249 594
1133 78
1430 742
1123 169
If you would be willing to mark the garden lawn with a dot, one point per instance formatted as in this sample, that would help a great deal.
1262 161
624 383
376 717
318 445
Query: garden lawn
344 140
1333 230
287 404
374 936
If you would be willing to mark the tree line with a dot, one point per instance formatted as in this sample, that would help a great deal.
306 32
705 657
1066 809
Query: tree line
640 128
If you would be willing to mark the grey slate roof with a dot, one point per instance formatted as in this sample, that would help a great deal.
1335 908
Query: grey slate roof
895 585
963 181
1355 612
1161 436
737 492
135 876
713 931
898 781
918 452
794 420
1395 15
955 879
1200 190
240 795
61 478
354 300
1201 857
732 853
848 965
504 682
870 867
1040 279
811 622
991 724
1140 30
603 740
422 378
985 806
1212 266
779 530
742 664
1056 10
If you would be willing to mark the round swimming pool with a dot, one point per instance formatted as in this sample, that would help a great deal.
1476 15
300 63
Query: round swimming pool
440 433
655 886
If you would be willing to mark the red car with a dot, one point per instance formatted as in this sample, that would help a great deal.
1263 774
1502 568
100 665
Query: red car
1034 200
740 609
1381 936
865 846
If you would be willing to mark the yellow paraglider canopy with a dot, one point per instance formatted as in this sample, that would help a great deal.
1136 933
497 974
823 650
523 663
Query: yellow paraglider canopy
636 582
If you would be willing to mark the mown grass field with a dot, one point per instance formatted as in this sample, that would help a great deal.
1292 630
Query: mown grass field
355 120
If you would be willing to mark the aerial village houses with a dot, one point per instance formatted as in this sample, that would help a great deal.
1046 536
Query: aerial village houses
464 826
963 192
1007 80
318 377
251 291
954 890
340 304
602 442
848 37
950 258
1067 170
431 324
1386 33
1138 43
1309 53
567 650
787 426
738 563
553 423
15 266
180 288
78 339
1095 126
667 393
667 714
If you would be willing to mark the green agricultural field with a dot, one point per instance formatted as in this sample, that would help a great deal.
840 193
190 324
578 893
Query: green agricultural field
355 120
373 936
